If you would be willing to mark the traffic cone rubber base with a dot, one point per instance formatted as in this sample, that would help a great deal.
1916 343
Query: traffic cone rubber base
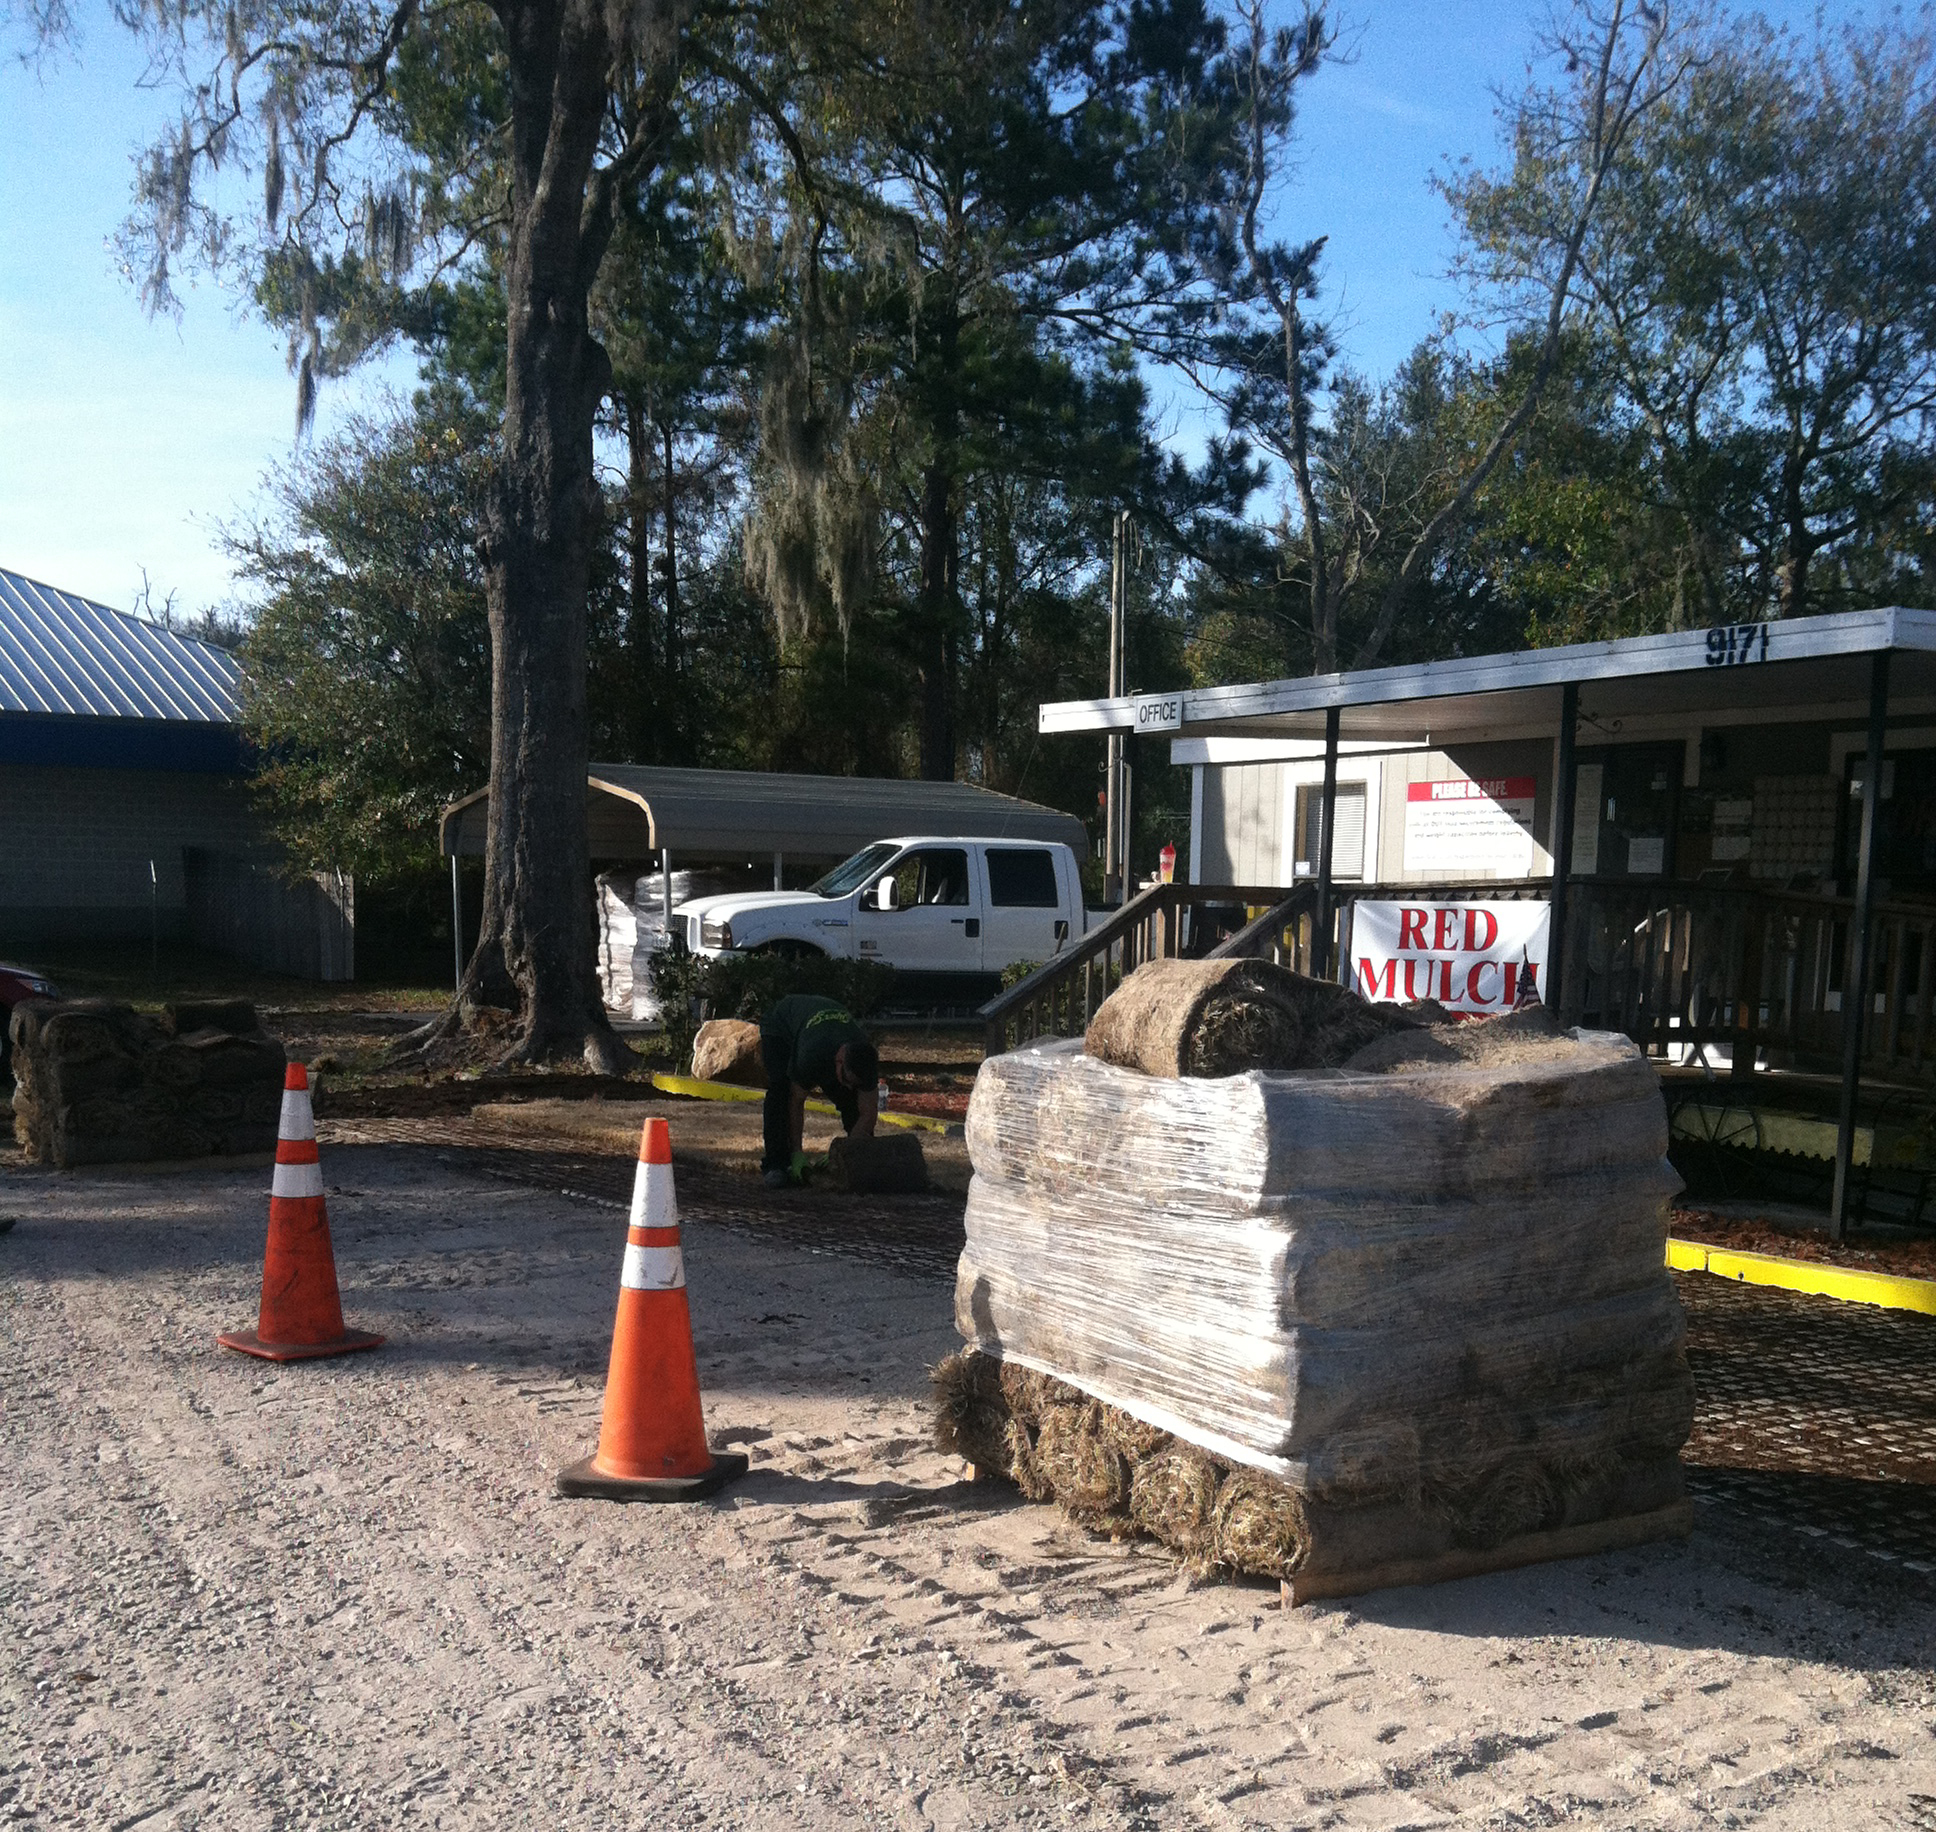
247 1342
586 1481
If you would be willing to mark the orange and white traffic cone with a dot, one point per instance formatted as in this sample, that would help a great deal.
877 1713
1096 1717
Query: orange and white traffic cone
301 1318
652 1443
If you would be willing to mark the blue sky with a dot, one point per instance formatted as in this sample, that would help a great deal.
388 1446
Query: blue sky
126 443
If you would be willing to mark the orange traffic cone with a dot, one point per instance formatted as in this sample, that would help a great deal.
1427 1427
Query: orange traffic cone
652 1443
301 1318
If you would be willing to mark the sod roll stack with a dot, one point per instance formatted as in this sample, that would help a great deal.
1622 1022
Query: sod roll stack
1422 1312
98 1083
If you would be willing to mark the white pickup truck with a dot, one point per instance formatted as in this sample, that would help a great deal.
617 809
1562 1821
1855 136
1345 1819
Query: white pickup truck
922 906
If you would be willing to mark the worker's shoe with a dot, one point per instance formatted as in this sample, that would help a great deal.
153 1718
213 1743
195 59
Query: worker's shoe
776 1178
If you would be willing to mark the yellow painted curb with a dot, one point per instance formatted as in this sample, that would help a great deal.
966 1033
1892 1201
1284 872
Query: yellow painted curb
1851 1287
1686 1255
695 1089
713 1090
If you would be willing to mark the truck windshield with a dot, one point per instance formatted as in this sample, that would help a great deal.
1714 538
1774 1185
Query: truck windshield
852 873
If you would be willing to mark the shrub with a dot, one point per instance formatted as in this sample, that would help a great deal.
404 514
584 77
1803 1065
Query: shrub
693 988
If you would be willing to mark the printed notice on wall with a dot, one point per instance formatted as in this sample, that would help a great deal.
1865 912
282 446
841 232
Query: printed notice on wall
1467 827
1733 833
1586 818
1646 858
1476 958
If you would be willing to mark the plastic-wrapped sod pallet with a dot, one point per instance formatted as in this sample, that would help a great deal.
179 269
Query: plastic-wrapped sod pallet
1431 1303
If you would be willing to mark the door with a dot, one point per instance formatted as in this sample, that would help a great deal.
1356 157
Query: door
1905 823
1024 907
1639 808
935 924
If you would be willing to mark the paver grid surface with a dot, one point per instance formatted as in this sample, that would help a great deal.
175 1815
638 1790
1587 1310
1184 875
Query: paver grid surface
1815 1414
1810 1415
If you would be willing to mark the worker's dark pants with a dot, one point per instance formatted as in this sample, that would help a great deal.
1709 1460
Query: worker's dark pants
776 1055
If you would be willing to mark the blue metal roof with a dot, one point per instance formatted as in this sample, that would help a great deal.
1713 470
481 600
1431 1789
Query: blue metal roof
63 654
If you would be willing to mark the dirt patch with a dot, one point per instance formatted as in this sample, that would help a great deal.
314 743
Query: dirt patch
917 1049
720 1136
343 1098
350 1067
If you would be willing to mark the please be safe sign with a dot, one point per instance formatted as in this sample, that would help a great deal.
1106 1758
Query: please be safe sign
1471 957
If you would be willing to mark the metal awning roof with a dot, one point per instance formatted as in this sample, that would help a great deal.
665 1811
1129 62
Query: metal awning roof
61 654
1812 667
712 815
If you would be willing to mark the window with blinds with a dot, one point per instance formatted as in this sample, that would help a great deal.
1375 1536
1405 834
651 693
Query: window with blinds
1348 846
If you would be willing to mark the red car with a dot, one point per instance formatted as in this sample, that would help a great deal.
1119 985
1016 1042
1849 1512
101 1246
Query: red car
17 983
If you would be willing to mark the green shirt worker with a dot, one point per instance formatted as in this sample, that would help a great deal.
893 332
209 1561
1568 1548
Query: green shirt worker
809 1043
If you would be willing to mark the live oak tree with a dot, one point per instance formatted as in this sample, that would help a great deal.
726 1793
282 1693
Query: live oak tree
393 142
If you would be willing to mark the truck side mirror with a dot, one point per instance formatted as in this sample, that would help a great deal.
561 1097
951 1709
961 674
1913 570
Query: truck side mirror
884 894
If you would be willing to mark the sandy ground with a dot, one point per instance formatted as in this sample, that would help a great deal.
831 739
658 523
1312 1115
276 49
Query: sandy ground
344 1594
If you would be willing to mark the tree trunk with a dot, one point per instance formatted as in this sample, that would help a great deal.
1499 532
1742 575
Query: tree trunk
940 559
675 705
537 944
1324 610
638 532
1798 543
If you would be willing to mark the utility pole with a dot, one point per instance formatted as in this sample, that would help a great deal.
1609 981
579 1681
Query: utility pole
1115 845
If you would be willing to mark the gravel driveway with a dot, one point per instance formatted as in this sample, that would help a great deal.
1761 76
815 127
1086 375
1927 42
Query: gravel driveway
344 1594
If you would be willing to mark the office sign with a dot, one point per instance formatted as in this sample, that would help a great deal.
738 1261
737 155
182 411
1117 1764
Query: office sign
1159 712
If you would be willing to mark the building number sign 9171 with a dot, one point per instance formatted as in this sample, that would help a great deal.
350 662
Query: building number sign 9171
1730 644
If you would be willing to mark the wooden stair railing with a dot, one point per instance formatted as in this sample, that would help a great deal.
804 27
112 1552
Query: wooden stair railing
1281 934
1060 997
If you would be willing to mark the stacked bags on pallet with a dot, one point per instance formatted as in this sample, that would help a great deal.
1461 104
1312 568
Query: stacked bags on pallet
1389 1303
631 930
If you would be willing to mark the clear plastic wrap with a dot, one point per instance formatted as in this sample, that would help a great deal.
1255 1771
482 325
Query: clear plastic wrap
1385 1289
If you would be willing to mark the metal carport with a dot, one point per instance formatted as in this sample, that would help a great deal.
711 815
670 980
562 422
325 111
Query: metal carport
722 817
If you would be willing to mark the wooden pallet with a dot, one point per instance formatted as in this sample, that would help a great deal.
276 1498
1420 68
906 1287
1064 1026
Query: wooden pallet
1675 1521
